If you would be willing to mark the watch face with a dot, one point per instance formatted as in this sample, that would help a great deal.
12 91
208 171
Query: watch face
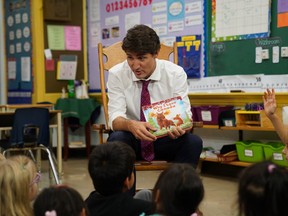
10 21
27 46
24 17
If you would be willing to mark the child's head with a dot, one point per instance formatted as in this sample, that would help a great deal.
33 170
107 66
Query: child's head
263 190
178 190
18 180
59 201
111 167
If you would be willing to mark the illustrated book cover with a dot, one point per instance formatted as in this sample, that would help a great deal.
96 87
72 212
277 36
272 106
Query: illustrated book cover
166 114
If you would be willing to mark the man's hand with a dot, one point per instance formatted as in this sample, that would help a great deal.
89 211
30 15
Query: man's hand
141 130
176 132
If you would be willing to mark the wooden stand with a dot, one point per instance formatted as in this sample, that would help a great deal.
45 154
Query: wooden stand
87 138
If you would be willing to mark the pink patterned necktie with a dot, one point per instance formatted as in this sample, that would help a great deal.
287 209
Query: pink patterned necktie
147 148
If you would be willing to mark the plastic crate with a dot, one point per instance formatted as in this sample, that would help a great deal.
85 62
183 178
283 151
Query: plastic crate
209 115
273 152
250 151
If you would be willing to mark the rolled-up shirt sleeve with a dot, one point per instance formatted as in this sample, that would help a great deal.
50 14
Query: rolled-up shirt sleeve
116 99
181 89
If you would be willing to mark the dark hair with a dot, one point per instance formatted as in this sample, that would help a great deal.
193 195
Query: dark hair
263 190
109 165
141 40
64 200
181 190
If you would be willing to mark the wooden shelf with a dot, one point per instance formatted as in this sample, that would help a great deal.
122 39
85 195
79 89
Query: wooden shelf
236 128
211 126
246 127
234 163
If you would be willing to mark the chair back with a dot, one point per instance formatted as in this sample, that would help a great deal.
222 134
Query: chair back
113 55
24 118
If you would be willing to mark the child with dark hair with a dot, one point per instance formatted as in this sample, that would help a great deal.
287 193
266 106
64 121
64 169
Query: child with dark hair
59 201
263 190
111 169
178 191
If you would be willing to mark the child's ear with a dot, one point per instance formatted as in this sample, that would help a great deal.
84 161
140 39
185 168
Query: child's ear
129 181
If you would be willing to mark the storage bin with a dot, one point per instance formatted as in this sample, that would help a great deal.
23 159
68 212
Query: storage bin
209 115
250 151
194 113
273 152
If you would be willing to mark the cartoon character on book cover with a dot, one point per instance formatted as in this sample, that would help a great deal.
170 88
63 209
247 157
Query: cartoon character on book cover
166 114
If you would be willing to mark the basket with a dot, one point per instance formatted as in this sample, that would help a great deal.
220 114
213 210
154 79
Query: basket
250 151
273 152
209 115
230 156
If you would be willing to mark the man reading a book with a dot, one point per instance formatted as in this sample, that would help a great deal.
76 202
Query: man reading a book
140 80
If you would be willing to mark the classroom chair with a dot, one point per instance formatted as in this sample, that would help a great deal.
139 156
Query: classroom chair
30 131
113 55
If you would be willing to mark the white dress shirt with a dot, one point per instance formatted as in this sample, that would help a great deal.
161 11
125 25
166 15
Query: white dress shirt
124 89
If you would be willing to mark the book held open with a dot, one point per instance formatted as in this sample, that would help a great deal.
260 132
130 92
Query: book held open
166 114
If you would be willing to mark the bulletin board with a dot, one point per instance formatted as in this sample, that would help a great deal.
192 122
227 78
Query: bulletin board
109 20
238 56
69 13
18 51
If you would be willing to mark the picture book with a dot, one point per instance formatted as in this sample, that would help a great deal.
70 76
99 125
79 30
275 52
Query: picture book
166 114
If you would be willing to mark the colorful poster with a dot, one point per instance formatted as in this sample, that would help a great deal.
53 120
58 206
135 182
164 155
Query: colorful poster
19 50
168 18
56 39
282 17
189 54
72 37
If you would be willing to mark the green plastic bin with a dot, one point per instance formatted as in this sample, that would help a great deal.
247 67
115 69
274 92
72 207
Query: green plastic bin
273 152
250 151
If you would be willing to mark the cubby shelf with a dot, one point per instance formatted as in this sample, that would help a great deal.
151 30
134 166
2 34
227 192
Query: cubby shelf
236 128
